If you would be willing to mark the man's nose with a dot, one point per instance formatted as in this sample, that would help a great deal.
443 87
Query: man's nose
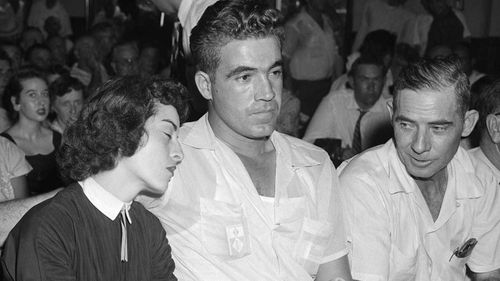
265 90
421 142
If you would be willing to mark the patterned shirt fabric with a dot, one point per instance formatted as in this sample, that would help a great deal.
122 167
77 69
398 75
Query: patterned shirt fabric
12 165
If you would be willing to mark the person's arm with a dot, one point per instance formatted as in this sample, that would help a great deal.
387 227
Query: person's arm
362 31
162 263
290 43
323 123
367 225
336 270
20 187
486 276
12 211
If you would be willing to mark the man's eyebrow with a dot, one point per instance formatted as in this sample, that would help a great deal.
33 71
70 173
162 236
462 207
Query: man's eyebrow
277 63
441 122
403 118
239 70
171 122
436 122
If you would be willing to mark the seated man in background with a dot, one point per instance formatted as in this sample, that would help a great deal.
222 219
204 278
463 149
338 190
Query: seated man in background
66 100
419 207
125 58
124 143
487 103
358 117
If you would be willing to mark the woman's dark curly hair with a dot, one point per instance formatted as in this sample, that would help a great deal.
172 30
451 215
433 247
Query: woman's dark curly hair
112 121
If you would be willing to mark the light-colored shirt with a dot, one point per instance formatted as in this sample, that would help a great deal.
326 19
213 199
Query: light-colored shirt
391 232
312 50
39 13
12 165
4 120
380 15
220 228
337 115
478 154
103 200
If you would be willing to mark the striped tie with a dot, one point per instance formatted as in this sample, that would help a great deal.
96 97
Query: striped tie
356 138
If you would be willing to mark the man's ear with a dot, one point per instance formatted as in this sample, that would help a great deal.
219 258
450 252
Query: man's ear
470 121
493 128
202 80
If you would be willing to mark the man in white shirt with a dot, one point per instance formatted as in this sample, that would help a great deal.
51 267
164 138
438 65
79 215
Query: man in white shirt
249 203
487 104
338 114
419 207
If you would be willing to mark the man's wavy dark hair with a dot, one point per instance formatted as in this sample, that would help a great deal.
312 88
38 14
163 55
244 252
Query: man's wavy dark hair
229 20
112 121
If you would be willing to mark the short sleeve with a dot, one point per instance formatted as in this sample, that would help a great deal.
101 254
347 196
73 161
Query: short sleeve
13 160
292 37
367 226
485 256
330 208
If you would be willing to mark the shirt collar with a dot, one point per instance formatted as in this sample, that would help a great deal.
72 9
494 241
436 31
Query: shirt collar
378 107
460 170
103 200
199 134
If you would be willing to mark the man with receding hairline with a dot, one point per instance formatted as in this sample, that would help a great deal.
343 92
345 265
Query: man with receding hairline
419 207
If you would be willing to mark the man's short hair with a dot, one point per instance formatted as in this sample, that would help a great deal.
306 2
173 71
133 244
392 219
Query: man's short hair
486 102
436 75
111 124
229 20
378 43
364 60
63 85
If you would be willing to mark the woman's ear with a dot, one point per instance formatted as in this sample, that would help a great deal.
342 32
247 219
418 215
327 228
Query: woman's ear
14 103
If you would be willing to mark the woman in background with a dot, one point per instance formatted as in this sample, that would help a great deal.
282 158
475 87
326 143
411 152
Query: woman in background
29 106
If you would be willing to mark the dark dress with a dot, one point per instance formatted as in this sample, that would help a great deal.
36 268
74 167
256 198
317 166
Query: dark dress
67 238
45 175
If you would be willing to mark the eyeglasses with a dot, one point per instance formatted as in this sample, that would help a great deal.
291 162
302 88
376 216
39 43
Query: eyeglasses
465 249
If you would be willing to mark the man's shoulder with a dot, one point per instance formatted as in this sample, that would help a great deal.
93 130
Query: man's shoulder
301 146
483 168
372 163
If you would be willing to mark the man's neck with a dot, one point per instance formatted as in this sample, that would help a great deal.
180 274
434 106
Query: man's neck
491 151
433 190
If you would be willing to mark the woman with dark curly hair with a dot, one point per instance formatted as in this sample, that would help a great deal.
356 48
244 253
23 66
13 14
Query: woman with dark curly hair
28 103
124 143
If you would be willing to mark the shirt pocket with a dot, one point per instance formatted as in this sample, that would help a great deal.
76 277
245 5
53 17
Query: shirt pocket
403 267
224 229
